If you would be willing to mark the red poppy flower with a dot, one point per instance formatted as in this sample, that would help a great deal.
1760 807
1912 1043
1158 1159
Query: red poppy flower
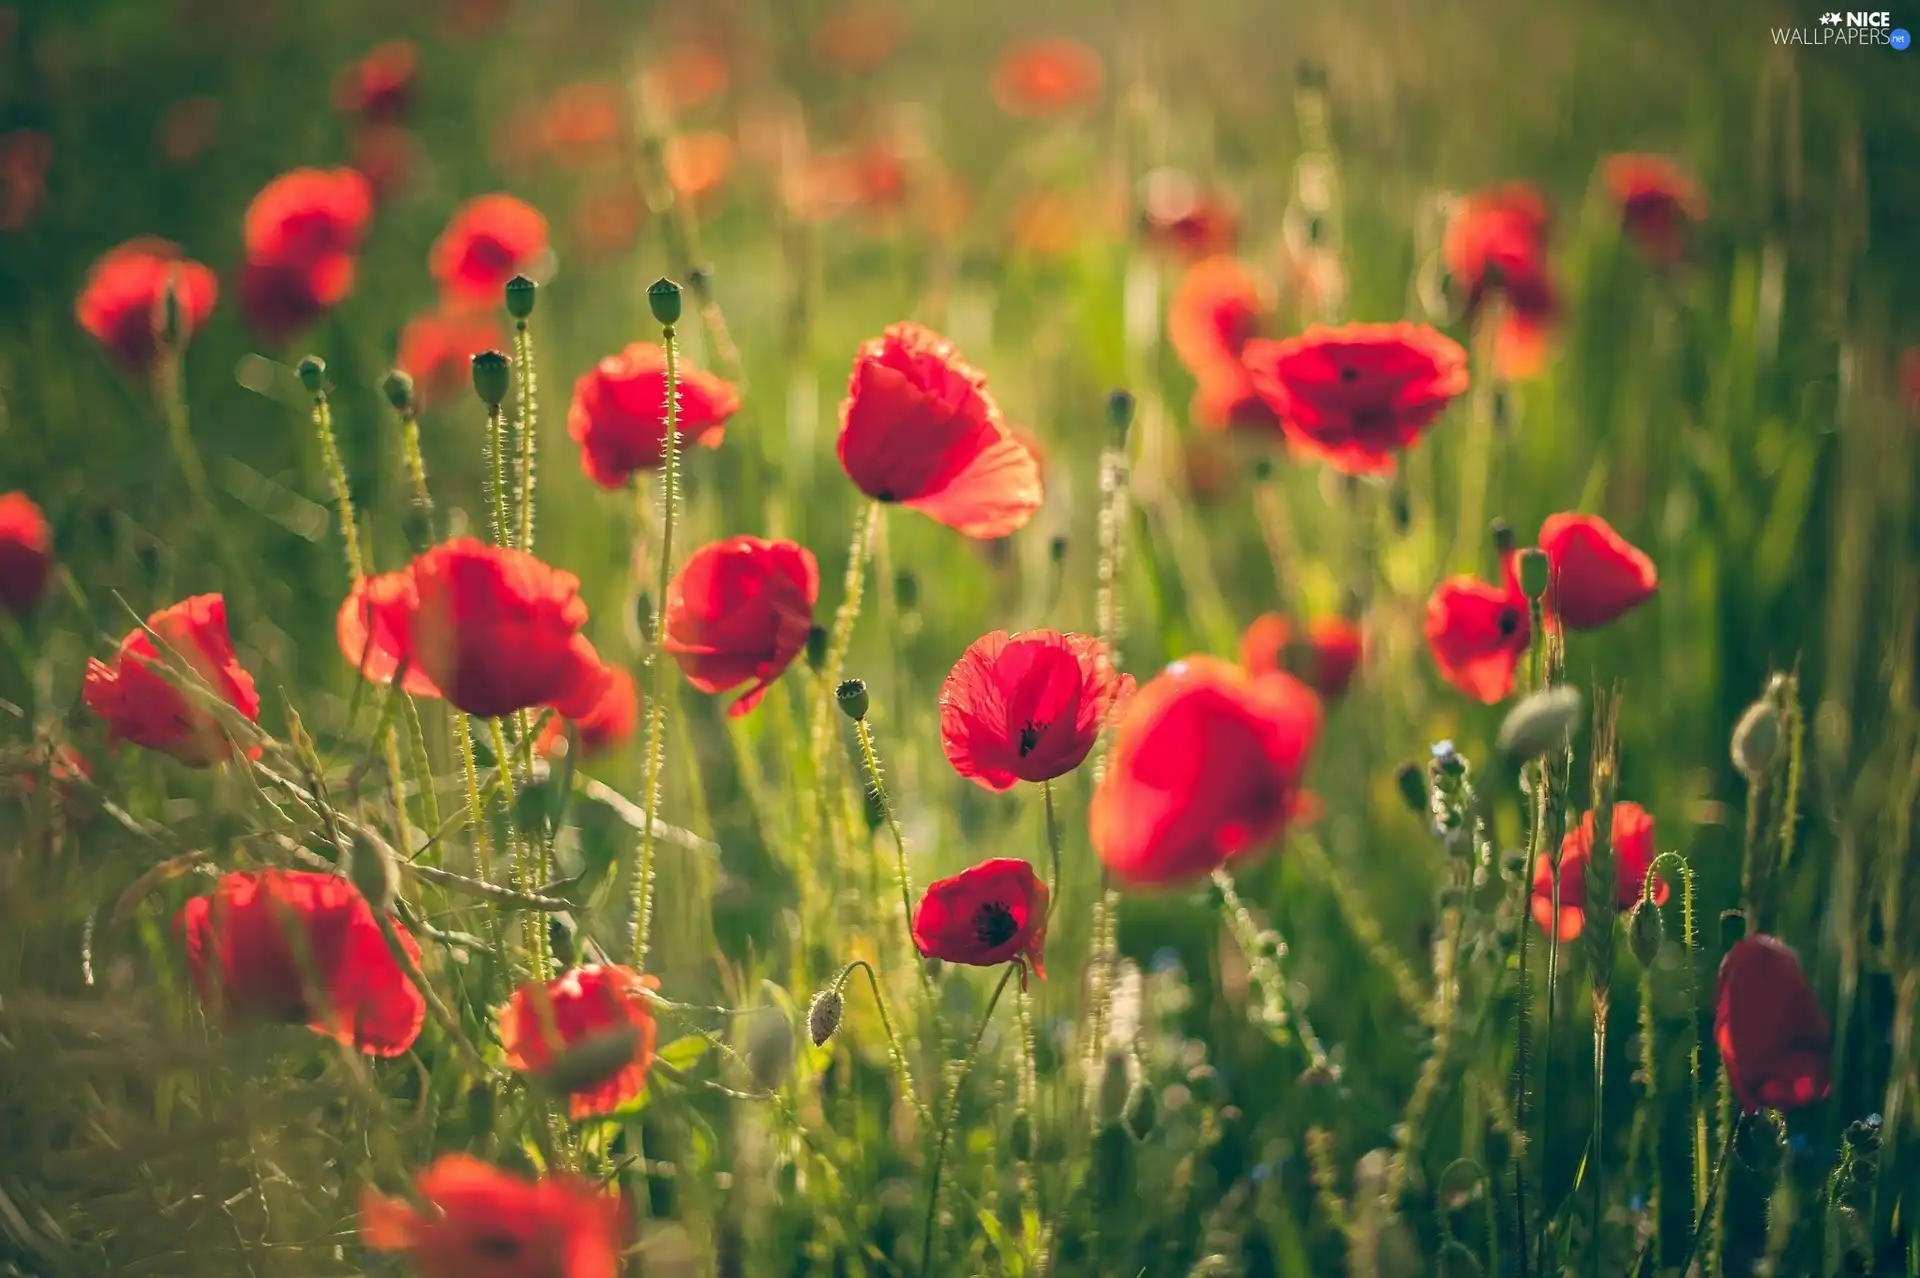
483 1223
1181 216
697 163
991 913
1496 242
487 242
1357 395
919 428
491 629
379 88
606 217
738 612
1598 575
387 155
188 128
120 304
856 37
1657 199
141 705
1324 658
540 1023
438 349
1205 765
302 948
1477 634
683 78
1910 378
1042 77
1633 852
583 124
26 553
1773 1038
608 726
1215 311
619 412
281 299
308 217
1027 707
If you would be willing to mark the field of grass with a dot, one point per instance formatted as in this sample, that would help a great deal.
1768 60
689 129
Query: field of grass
1296 1016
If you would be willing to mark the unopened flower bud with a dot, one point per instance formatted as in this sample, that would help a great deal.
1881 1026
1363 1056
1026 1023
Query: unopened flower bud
371 867
663 298
1646 931
852 696
1756 739
1141 1112
1733 929
397 386
1412 780
490 378
817 648
520 296
1536 573
313 374
1119 413
1116 1087
1503 541
823 1016
1541 722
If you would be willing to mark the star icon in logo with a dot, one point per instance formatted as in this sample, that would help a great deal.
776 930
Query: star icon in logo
1829 19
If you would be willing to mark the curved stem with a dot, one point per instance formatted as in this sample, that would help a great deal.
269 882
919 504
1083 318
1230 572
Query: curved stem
871 759
893 1040
657 696
953 1114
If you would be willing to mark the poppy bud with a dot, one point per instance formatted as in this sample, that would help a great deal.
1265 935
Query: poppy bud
1020 1136
1541 722
1863 1134
1412 780
370 866
1756 739
560 939
1503 542
1119 414
852 696
591 1059
397 386
313 374
817 648
1116 1087
490 378
663 298
1536 573
906 588
520 295
1057 549
1733 928
1646 931
823 1016
1140 1113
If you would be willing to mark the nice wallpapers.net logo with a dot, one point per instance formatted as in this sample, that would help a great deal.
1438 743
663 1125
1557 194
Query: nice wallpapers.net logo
1855 30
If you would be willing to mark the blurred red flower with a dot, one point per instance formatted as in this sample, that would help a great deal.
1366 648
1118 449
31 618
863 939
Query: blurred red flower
1181 216
606 217
25 157
738 612
1205 765
618 415
338 978
1357 395
387 155
120 304
1215 312
1657 200
379 88
1477 634
857 36
301 232
578 1012
188 128
1633 853
488 240
142 706
681 79
583 123
1027 707
991 913
1773 1038
1910 378
697 163
491 629
1496 244
26 553
1597 576
608 726
437 348
483 1223
919 428
279 299
1324 658
1046 76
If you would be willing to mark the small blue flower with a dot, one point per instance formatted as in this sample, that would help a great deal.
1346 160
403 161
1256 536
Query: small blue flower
1443 749
1166 959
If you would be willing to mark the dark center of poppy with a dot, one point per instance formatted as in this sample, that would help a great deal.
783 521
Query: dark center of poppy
1349 374
885 495
993 924
1371 418
1030 737
496 1246
1509 622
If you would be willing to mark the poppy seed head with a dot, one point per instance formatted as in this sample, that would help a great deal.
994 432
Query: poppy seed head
823 1016
1535 573
397 386
852 696
313 374
993 924
521 292
663 299
490 378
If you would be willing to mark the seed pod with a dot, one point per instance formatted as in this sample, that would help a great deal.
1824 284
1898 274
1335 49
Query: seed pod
852 696
397 386
1646 930
1119 414
823 1016
1536 573
663 299
1503 541
313 373
520 296
371 868
1541 722
1756 739
490 378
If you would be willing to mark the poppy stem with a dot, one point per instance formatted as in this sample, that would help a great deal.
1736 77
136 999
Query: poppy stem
337 478
416 466
525 428
497 470
1713 1189
870 758
1053 846
953 1114
533 927
893 1040
841 637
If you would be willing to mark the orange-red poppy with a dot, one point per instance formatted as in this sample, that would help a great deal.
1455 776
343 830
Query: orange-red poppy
1042 77
1633 854
991 913
142 705
618 415
1324 655
1496 246
379 88
1774 1040
480 1222
738 612
1216 310
608 726
1658 200
1027 707
26 553
541 1023
120 305
488 240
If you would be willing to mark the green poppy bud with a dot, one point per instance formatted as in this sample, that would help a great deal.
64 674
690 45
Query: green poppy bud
823 1016
1541 722
1536 573
1119 414
313 374
490 370
663 298
370 865
397 386
1646 930
817 648
1412 780
1503 541
852 696
520 296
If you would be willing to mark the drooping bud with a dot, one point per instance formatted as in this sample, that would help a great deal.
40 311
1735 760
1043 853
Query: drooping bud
1539 723
823 1015
397 386
852 696
1536 573
371 868
521 292
817 648
663 298
1116 1087
1141 1112
313 374
1646 931
1119 414
490 378
1756 739
1412 780
1503 541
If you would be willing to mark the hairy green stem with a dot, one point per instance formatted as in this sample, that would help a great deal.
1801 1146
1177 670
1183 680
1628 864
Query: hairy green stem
870 759
497 475
1713 1189
657 659
953 1115
525 428
337 478
894 1049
